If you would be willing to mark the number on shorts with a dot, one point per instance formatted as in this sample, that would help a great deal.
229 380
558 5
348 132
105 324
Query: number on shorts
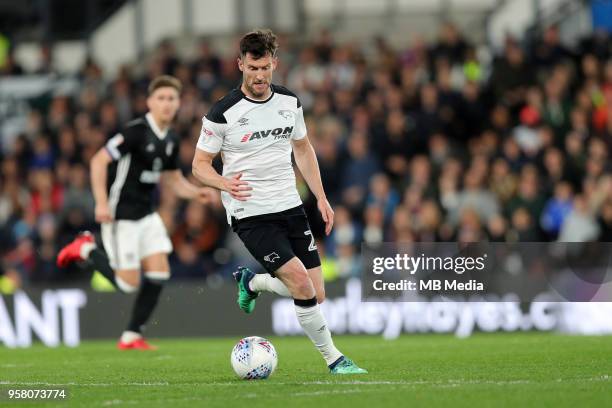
312 246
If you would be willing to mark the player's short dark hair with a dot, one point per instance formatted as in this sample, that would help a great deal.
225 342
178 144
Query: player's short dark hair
258 43
164 81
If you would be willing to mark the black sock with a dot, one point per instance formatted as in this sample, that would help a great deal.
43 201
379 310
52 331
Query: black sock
100 262
144 305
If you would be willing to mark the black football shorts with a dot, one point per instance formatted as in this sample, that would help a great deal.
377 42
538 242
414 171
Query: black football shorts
273 239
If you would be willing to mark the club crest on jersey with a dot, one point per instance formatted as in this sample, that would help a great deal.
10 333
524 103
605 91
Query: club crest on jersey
150 147
278 133
287 114
243 121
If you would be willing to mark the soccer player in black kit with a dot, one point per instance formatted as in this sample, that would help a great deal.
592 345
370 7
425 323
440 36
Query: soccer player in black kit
124 174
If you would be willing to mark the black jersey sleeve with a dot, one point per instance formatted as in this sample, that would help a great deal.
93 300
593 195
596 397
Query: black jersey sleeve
124 142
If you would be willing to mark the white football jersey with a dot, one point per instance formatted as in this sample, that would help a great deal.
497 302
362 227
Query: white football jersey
254 138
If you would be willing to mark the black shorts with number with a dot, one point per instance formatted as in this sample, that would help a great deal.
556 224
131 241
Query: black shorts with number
273 239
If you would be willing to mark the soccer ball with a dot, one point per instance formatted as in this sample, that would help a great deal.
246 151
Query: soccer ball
254 358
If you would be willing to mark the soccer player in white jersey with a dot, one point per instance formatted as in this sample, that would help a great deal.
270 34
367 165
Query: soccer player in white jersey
255 128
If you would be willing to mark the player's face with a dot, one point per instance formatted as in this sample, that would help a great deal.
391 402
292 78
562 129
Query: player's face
257 73
163 103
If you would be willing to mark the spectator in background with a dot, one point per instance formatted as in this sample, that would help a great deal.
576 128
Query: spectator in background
359 168
580 225
523 227
345 232
511 75
195 239
77 212
475 198
451 45
557 209
529 195
374 228
549 51
382 196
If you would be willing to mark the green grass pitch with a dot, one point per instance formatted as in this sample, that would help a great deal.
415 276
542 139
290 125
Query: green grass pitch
527 369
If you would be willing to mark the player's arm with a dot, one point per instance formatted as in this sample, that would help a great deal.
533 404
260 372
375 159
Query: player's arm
204 171
306 160
209 145
184 189
98 169
116 147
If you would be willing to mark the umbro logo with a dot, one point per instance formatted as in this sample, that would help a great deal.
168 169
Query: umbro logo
271 257
287 114
150 147
243 121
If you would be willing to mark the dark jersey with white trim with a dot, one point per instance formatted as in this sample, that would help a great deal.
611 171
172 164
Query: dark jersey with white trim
140 153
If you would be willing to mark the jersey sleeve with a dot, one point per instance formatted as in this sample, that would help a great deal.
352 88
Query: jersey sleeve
122 143
300 125
211 136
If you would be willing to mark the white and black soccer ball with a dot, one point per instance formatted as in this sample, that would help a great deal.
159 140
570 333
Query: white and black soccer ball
254 358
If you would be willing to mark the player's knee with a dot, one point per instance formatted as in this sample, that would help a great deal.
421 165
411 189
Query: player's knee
127 285
303 284
128 282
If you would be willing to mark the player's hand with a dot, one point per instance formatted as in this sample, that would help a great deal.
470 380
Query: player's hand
206 195
237 188
327 213
103 213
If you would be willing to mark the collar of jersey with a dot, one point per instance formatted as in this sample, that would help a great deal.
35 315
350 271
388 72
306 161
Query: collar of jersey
256 101
158 132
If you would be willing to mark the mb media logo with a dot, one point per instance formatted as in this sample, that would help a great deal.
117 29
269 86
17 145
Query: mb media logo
278 133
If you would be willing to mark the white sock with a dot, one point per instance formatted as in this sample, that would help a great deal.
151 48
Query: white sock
263 282
313 322
86 249
130 336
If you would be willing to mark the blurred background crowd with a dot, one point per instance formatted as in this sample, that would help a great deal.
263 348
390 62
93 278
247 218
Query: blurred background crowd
432 141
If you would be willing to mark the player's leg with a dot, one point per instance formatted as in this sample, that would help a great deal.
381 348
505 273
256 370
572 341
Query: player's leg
156 273
262 282
305 248
153 249
316 276
122 258
297 279
267 242
306 269
84 248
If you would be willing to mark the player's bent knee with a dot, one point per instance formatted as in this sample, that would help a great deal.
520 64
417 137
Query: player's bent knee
304 287
128 281
125 286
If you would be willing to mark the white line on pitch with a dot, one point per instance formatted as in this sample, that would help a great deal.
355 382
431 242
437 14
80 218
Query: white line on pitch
130 384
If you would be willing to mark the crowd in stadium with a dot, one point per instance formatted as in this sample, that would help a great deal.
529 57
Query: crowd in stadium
430 142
